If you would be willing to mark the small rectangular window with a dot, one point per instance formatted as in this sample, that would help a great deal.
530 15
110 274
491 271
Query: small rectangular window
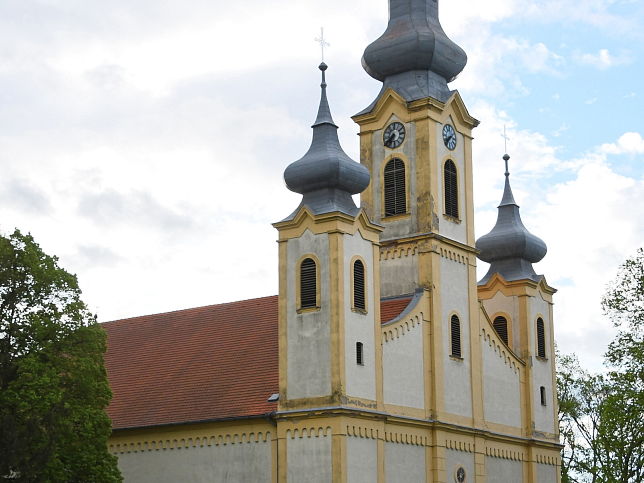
543 395
359 355
455 329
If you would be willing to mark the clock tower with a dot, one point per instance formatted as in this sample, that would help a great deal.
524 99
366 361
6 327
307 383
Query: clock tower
416 140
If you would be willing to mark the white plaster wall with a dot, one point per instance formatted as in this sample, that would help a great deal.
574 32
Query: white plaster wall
231 463
309 459
362 460
404 463
358 327
455 299
509 305
398 276
546 473
381 154
544 416
501 389
448 228
454 459
403 368
308 334
503 471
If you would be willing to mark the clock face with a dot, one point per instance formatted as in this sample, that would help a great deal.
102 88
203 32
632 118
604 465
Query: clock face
460 475
449 136
394 135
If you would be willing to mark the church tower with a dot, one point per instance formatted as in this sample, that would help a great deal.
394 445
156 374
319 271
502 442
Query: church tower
518 303
329 307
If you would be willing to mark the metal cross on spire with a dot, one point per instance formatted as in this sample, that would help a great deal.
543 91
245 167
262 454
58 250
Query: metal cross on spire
506 138
323 43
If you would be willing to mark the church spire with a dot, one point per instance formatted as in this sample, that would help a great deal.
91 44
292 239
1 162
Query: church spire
510 248
325 175
414 56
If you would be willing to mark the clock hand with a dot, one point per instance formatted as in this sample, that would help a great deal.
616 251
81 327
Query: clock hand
390 138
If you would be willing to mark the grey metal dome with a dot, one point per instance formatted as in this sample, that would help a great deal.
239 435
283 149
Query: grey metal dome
414 55
510 248
326 176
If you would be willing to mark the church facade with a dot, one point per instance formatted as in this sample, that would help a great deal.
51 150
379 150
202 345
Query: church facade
383 358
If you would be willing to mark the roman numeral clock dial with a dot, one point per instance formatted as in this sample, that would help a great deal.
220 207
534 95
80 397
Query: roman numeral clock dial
394 135
449 137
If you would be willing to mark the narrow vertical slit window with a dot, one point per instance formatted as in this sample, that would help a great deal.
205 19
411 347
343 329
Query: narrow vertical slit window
541 338
359 301
501 327
455 331
359 354
308 284
451 189
542 391
394 188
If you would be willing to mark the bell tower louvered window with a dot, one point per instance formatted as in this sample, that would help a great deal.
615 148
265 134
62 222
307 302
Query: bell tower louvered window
541 338
308 284
359 301
501 327
455 331
395 190
451 189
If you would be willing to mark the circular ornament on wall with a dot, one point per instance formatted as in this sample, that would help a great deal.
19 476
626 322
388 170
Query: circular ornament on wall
459 475
394 135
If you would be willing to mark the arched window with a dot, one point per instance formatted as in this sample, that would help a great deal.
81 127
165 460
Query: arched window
455 331
308 284
395 191
541 338
451 189
359 354
359 301
542 393
501 327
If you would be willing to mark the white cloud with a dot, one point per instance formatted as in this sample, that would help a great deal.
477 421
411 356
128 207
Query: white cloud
628 143
603 59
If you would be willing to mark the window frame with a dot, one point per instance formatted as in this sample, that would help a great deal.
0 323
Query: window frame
405 180
454 319
365 290
298 284
359 354
541 351
454 199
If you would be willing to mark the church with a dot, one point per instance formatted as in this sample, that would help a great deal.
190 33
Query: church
382 359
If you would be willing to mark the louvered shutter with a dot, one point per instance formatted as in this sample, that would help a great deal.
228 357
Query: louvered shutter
395 190
455 328
501 327
358 286
308 284
541 338
451 189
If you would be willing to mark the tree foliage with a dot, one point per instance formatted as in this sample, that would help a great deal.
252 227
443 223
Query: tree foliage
53 384
602 416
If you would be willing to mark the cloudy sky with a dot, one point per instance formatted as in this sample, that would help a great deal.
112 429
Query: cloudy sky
143 142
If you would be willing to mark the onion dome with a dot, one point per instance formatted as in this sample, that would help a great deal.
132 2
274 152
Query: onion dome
510 248
326 176
414 56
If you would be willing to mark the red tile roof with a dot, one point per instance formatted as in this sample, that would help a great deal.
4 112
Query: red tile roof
202 364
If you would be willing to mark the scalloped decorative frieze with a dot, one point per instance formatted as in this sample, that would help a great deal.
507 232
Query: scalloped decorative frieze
406 438
500 349
504 453
546 459
398 252
457 445
454 256
187 443
309 432
402 327
362 432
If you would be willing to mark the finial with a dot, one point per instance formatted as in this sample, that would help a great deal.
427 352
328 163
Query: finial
323 67
322 41
506 158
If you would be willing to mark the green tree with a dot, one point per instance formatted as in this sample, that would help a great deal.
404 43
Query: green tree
53 383
602 416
